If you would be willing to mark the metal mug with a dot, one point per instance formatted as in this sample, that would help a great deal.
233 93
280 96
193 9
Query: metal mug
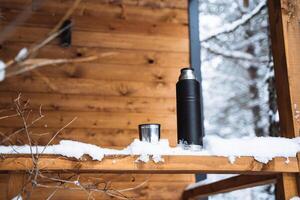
149 132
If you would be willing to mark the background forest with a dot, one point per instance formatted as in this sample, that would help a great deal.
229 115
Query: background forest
238 76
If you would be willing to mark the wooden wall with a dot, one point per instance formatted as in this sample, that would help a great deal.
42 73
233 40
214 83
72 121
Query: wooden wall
112 95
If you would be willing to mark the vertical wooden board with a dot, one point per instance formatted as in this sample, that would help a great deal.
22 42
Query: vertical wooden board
286 187
291 28
285 34
281 71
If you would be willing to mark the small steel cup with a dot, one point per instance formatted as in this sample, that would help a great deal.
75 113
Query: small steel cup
149 132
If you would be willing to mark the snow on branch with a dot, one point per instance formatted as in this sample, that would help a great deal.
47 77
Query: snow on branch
255 38
234 54
227 28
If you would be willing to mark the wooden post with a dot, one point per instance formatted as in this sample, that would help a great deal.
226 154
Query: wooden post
285 36
286 186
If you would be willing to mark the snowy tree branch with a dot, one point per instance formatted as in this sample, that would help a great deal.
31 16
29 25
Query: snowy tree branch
227 28
215 49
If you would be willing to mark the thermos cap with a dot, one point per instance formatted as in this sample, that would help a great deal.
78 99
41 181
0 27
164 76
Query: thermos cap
187 73
149 132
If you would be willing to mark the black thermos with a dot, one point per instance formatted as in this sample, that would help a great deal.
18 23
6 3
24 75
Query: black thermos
189 128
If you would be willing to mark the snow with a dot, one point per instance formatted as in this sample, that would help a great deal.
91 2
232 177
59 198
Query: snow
263 149
143 158
2 70
295 198
18 197
157 158
22 55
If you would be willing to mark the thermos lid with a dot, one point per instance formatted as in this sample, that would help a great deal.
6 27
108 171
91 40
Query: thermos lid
149 132
187 73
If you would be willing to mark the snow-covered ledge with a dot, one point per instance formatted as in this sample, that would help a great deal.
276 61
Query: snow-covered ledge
262 149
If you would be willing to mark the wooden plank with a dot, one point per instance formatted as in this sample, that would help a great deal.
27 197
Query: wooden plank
108 138
158 4
172 164
124 178
104 11
3 185
110 104
89 23
28 83
153 4
146 184
151 183
128 57
112 72
106 40
285 37
93 120
282 75
285 40
16 183
228 185
148 191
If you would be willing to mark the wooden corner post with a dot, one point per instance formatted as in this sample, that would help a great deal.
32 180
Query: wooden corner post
285 36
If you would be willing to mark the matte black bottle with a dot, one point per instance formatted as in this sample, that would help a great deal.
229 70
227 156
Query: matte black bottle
189 128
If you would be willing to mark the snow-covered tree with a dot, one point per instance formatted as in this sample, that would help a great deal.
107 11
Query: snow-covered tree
237 68
238 76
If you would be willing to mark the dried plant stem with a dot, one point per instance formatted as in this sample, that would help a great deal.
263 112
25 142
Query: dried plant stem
32 64
36 178
65 17
58 133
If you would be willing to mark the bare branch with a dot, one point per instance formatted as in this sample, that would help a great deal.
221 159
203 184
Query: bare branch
215 49
230 27
66 16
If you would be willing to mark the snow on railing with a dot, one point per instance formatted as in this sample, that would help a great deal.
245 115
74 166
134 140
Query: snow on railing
263 149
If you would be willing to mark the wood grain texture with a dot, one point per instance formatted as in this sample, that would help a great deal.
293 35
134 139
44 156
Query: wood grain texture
111 95
172 164
123 57
105 11
286 187
4 185
16 182
92 103
110 138
146 185
285 37
104 40
278 24
56 119
228 185
30 83
88 23
148 191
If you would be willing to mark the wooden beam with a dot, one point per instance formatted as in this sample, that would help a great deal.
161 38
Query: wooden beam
286 186
228 185
285 34
171 164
